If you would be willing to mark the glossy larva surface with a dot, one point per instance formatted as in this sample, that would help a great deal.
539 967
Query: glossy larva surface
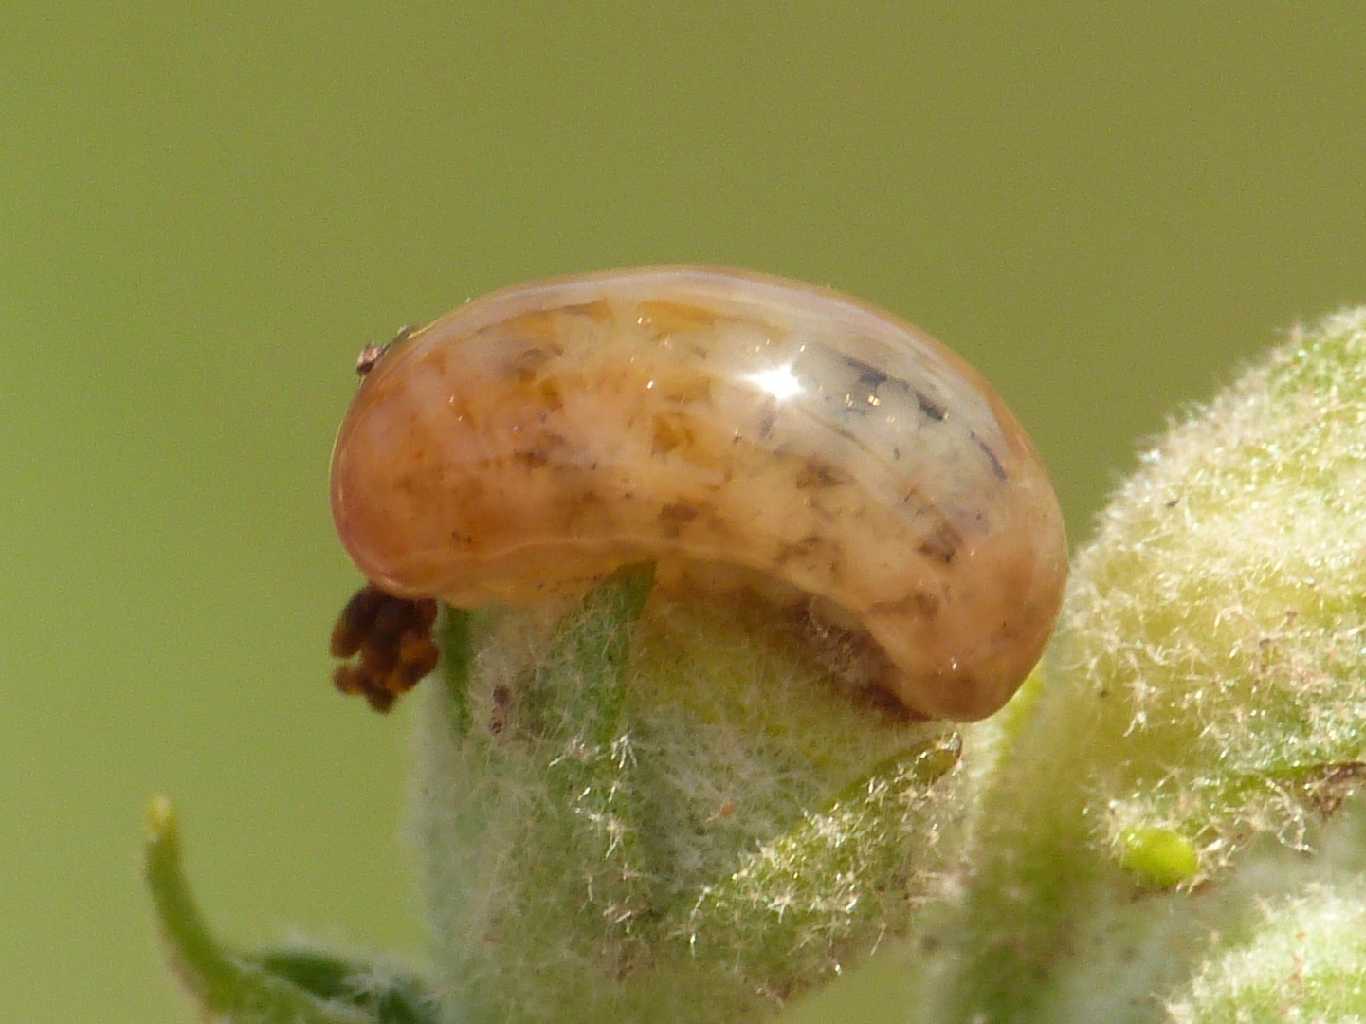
737 430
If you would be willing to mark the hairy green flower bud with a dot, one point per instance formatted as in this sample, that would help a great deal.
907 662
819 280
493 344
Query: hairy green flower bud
712 817
1214 636
1205 695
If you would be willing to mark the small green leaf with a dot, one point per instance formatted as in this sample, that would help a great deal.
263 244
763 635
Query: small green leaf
832 882
237 989
390 998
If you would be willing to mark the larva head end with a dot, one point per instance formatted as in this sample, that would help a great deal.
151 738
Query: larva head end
367 358
372 354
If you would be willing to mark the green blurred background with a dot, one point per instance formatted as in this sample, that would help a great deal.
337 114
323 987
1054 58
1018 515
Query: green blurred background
205 213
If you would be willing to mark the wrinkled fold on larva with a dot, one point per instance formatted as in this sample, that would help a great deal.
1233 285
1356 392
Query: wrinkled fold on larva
738 430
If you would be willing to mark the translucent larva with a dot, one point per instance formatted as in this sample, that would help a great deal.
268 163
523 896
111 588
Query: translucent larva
736 429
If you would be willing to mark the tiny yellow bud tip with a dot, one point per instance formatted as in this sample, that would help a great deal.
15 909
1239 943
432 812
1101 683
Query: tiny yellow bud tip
160 818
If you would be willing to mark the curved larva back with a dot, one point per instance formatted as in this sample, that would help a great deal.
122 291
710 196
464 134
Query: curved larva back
534 440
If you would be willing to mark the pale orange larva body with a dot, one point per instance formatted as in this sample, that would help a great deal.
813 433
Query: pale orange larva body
727 426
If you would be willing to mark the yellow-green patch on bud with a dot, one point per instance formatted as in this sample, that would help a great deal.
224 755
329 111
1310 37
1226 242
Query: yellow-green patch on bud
1160 857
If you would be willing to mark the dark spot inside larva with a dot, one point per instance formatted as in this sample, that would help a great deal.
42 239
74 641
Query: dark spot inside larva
942 543
928 406
527 364
813 550
669 432
532 458
918 603
926 605
896 452
767 420
848 435
855 406
872 378
868 375
549 390
912 498
392 636
677 514
996 468
684 389
598 310
815 473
